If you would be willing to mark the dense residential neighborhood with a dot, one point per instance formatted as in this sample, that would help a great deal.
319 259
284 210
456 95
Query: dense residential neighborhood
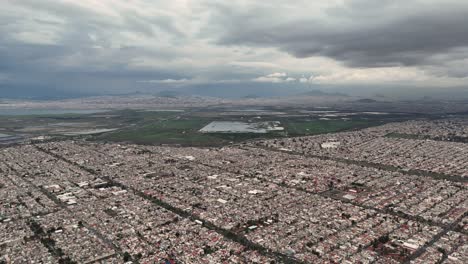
370 197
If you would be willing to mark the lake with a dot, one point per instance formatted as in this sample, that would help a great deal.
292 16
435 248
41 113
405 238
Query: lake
4 135
18 112
241 127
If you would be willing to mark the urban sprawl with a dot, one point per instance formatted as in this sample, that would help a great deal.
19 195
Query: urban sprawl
395 193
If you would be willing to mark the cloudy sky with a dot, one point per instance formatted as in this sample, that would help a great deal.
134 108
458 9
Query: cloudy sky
121 46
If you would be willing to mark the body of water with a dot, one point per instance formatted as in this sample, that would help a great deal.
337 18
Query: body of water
89 132
240 127
18 112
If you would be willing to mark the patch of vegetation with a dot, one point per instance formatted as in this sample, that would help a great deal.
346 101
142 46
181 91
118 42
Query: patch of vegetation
179 131
399 135
185 131
313 127
181 127
451 138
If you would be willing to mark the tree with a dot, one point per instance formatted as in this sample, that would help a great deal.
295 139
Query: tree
126 256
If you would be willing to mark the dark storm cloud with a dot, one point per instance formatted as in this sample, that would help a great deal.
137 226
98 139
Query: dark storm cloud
86 50
20 56
360 34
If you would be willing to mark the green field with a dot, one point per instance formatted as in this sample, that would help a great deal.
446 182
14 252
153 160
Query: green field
185 131
180 131
182 128
299 128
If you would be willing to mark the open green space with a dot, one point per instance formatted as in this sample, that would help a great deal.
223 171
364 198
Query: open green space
452 138
56 124
181 127
313 127
185 130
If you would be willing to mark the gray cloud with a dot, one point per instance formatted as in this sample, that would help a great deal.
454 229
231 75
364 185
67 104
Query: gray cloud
118 46
361 34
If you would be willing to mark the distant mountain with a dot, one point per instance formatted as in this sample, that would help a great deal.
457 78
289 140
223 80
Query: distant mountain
366 100
427 98
321 93
169 94
235 90
251 96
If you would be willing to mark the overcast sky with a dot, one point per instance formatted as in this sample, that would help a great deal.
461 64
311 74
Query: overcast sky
128 45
